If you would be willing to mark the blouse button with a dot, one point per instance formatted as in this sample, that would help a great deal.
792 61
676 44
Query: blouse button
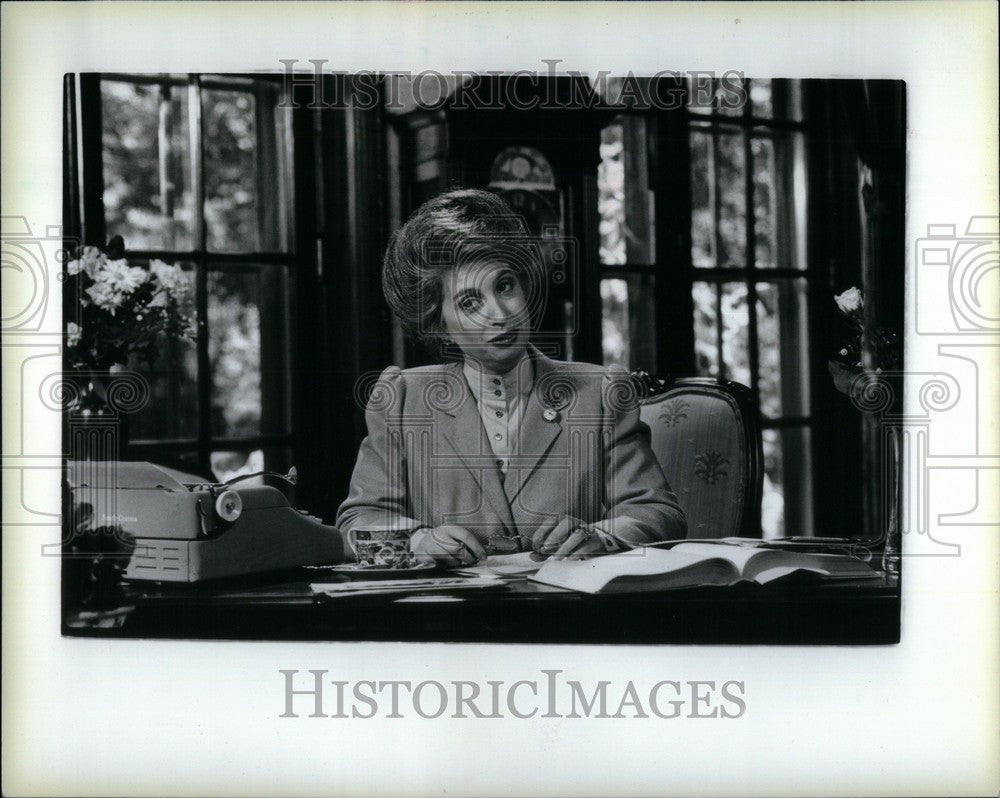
498 436
497 393
499 463
496 381
499 413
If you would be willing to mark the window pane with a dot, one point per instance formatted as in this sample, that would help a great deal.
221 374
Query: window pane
638 197
710 95
247 169
230 186
706 342
172 409
784 345
764 200
611 196
701 94
702 200
248 351
628 322
730 175
147 193
772 511
614 322
228 465
730 98
787 491
735 333
760 98
234 352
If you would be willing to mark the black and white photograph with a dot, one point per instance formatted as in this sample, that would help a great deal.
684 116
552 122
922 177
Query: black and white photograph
413 398
556 355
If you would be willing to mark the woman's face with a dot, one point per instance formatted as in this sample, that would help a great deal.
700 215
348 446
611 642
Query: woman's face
485 312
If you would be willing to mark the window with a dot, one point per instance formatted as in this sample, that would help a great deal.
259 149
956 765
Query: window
750 279
196 170
748 276
628 282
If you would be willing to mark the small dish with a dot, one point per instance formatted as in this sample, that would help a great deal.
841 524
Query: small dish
356 571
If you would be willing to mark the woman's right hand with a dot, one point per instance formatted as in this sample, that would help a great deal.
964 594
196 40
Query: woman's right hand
451 546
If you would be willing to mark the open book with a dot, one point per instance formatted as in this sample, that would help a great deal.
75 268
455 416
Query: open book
693 564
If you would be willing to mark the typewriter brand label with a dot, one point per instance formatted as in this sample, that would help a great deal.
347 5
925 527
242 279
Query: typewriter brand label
120 519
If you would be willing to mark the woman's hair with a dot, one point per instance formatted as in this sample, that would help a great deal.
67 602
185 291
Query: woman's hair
451 230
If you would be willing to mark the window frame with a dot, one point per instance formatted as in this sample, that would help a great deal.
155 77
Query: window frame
276 436
798 515
669 140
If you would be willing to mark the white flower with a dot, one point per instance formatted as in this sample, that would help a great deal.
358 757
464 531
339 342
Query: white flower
91 260
105 296
122 277
159 300
850 301
172 278
73 333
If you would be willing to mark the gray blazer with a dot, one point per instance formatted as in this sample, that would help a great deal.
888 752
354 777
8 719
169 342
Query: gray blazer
581 451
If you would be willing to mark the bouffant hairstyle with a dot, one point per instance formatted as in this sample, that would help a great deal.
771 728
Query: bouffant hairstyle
451 230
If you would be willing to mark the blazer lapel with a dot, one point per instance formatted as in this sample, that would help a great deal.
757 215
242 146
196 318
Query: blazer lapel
541 424
464 431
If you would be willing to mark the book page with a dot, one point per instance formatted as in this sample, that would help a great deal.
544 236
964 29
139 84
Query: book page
592 576
739 555
829 565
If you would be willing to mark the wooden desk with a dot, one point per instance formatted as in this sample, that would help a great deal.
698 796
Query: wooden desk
284 608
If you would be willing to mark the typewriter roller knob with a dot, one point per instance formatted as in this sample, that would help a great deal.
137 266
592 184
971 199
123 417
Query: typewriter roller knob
228 506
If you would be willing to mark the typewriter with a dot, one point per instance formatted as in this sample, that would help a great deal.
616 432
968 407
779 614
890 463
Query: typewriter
190 530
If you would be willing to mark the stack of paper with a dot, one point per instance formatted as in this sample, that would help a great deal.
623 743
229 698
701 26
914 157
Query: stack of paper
359 587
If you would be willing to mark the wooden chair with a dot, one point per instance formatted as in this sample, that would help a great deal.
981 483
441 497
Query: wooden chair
706 435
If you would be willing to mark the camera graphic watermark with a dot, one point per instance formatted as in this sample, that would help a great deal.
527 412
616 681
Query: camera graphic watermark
965 268
88 405
27 259
32 261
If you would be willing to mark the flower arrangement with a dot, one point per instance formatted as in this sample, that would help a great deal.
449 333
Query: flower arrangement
123 310
882 342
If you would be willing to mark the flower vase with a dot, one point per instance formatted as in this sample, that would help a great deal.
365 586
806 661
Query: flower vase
92 401
892 552
97 414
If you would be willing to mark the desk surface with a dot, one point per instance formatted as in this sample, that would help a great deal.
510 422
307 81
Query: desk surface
284 608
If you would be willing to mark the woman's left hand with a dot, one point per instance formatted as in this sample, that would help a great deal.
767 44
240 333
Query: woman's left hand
569 539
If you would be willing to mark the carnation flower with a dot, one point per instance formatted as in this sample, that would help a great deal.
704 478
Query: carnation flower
73 333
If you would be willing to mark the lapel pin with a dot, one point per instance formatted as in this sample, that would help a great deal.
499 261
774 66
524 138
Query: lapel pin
549 414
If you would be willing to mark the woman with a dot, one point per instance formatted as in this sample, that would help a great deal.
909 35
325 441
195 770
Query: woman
503 449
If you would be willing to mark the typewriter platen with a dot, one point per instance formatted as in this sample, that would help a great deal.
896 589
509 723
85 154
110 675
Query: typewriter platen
190 530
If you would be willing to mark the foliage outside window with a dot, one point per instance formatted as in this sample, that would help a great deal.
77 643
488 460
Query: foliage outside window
196 170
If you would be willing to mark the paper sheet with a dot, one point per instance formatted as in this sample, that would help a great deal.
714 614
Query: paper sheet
405 585
519 564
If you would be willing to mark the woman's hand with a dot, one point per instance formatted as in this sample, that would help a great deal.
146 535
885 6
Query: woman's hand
451 546
569 539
